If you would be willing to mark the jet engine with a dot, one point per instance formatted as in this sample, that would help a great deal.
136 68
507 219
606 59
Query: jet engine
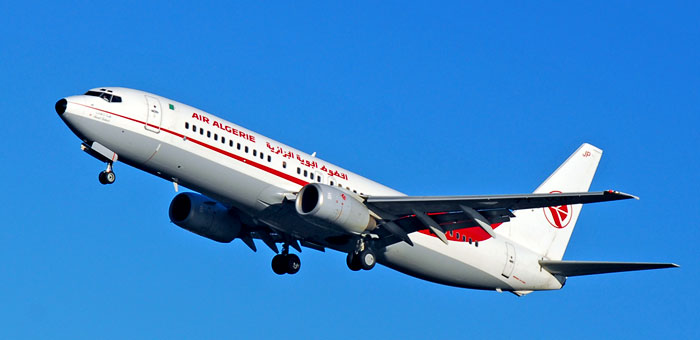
205 217
334 208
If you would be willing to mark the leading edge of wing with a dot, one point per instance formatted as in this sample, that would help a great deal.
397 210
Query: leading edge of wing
402 205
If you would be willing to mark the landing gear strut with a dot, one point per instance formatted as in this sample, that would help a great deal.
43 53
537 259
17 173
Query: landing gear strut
107 176
286 263
362 258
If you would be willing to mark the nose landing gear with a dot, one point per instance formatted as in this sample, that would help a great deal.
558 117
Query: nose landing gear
103 154
107 176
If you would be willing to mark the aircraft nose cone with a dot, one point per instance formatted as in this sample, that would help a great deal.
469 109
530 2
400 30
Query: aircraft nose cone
61 106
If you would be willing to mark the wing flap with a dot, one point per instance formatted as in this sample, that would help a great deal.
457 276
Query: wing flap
578 268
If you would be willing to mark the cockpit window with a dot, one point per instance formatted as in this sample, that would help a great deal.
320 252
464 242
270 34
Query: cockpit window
106 96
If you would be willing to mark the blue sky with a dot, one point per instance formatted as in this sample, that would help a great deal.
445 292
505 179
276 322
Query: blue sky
435 99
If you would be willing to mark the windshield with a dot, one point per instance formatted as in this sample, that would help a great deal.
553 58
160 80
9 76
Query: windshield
108 97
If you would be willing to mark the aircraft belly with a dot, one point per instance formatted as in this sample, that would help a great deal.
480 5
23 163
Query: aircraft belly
425 261
215 179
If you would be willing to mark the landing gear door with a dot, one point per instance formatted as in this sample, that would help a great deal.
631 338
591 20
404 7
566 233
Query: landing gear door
510 260
153 116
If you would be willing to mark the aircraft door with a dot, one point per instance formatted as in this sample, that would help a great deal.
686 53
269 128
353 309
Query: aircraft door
153 116
510 260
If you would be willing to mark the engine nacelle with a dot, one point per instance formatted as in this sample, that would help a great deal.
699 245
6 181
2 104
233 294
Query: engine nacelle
204 217
331 207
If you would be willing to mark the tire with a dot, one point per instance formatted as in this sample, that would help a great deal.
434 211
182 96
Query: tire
107 177
367 259
353 261
293 264
102 178
279 265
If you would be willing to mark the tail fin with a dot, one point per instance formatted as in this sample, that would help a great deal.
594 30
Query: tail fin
547 231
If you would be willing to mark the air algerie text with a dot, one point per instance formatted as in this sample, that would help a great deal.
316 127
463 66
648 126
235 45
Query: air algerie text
224 127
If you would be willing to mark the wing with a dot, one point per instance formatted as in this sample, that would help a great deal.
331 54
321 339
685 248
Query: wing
406 214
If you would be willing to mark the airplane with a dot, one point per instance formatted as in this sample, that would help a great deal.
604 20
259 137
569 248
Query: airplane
249 187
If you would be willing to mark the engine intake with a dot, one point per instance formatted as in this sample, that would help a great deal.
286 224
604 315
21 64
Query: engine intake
334 208
204 217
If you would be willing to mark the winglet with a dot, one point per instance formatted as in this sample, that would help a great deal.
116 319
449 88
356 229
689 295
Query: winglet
618 193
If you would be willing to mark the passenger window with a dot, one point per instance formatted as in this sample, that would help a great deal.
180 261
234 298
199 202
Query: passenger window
262 156
457 236
269 158
201 131
255 152
187 126
238 146
464 238
216 136
306 173
194 128
284 164
208 134
230 143
318 178
311 175
223 140
332 183
246 149
298 170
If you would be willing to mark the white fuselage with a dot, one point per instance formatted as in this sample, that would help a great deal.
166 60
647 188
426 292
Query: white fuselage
243 169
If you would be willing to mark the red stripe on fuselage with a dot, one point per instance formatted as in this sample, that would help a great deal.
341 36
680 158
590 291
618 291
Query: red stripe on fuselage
475 233
213 148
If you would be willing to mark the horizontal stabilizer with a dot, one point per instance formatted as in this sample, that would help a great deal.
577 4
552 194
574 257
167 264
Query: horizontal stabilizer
577 268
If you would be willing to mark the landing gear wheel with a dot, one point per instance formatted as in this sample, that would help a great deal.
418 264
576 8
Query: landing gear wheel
286 264
353 261
107 177
367 259
279 264
293 264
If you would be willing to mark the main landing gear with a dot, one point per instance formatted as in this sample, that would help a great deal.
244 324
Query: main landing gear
362 258
286 263
107 176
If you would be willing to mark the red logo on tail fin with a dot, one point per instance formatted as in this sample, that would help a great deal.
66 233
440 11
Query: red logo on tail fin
558 216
